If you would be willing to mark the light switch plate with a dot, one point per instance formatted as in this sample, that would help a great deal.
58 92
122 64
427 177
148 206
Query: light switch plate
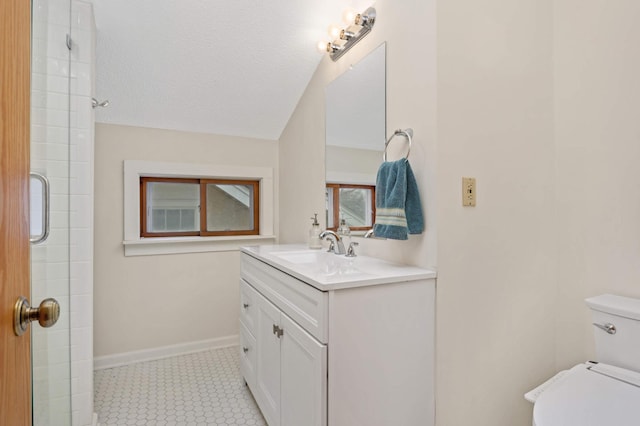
469 192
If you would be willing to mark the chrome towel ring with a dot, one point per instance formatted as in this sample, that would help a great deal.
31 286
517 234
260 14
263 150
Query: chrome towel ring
407 133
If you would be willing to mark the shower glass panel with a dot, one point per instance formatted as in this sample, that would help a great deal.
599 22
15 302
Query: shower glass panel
50 276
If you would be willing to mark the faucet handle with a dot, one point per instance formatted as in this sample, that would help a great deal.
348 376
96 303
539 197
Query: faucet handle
351 252
332 247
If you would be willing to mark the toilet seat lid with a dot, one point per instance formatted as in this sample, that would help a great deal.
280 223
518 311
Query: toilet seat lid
588 398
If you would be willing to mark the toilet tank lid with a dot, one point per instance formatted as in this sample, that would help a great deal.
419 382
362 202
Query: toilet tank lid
617 305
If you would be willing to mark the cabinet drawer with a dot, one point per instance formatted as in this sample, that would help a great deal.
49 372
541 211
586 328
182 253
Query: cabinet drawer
248 356
248 307
306 305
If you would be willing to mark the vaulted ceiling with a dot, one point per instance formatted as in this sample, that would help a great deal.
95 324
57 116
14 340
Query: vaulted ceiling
230 67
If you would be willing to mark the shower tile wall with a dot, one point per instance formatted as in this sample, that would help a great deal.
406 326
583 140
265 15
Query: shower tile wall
83 33
62 129
49 156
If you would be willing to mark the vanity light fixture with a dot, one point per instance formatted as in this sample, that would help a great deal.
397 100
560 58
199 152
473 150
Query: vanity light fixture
361 24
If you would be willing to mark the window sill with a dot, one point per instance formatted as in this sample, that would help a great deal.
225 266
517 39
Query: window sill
174 245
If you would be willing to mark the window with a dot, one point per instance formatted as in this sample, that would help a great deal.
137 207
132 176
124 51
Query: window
136 245
172 207
354 203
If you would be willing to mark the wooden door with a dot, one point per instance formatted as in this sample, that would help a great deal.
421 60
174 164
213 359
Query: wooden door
303 385
15 366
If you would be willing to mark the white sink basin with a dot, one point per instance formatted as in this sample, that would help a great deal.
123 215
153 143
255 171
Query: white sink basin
297 257
328 271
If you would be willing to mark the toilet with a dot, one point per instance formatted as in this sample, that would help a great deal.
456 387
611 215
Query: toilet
605 392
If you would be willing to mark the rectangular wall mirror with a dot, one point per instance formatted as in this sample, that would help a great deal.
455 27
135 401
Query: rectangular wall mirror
355 135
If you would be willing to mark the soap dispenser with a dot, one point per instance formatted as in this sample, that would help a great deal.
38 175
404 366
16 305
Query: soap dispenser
314 234
344 232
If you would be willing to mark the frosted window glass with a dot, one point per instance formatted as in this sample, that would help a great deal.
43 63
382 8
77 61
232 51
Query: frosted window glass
229 207
173 207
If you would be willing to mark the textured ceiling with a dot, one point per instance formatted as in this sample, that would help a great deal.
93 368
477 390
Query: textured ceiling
231 67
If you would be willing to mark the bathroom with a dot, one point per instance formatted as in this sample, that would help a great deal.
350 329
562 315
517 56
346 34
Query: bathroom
535 99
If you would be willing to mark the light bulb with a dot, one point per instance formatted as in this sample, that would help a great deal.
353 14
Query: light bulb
323 46
334 31
349 15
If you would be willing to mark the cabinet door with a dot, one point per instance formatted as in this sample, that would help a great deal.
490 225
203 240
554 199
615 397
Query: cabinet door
304 377
267 390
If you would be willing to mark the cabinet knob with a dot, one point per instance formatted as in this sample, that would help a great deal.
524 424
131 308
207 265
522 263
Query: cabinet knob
245 305
277 331
245 349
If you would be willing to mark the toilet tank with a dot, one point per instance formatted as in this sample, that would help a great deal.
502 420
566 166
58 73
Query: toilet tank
621 348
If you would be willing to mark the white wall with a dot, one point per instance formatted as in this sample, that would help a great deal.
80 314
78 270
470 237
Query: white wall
496 262
494 121
597 99
147 302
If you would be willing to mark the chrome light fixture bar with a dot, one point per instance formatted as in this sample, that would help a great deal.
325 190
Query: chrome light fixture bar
362 25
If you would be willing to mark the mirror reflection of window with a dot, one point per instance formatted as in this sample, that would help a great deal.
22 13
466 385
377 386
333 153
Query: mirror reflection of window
355 206
353 203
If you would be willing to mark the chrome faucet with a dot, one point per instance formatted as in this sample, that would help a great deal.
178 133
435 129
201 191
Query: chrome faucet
336 241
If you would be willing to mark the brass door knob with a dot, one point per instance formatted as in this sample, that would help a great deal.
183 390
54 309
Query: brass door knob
47 314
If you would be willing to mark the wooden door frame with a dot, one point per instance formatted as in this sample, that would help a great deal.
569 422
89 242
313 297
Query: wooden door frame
15 93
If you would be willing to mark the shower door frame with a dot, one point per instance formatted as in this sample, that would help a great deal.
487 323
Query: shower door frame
15 92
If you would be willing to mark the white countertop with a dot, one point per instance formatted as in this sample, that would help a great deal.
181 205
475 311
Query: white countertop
328 271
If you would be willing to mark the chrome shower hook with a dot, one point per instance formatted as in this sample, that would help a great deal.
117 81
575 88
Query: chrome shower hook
95 103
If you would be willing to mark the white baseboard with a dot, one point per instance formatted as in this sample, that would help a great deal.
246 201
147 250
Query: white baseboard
116 360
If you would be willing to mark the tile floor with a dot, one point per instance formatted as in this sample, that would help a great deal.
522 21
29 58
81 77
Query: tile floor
204 388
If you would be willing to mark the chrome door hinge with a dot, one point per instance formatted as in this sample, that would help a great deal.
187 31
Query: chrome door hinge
69 41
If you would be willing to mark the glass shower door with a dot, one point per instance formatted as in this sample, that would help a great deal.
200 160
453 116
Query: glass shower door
50 267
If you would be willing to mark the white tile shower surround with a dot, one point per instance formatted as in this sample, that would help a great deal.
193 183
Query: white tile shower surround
204 388
82 120
62 149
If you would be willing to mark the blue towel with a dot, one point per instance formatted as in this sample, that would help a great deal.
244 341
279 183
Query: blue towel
398 207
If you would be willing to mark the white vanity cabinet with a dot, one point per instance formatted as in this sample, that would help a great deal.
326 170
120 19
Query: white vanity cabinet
326 346
284 366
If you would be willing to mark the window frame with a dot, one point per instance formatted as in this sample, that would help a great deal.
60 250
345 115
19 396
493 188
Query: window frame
256 207
335 188
143 207
202 182
135 245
